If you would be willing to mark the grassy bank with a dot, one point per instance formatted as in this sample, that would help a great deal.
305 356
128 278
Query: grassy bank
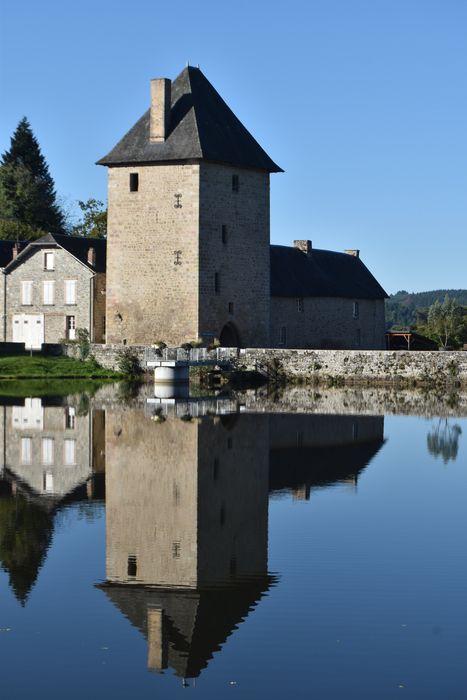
47 368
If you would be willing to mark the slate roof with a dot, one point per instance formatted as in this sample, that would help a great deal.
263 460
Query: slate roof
202 127
6 250
76 245
324 273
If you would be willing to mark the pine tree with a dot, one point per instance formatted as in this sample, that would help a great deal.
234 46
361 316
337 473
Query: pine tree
27 191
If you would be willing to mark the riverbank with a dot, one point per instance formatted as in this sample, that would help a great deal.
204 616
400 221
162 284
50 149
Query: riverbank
49 367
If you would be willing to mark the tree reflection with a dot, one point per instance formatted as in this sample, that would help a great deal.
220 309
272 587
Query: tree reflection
443 440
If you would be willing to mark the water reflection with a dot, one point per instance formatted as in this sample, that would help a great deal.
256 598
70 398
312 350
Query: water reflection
187 513
443 440
52 456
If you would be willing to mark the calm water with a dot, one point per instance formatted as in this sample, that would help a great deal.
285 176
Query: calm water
155 549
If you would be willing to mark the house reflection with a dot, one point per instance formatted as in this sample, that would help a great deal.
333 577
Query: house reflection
52 455
187 512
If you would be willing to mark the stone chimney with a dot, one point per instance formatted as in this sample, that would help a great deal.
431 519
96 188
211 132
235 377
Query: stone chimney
304 246
353 251
160 110
15 251
91 256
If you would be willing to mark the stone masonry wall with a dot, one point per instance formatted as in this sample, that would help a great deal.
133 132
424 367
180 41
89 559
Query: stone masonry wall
152 254
240 255
328 323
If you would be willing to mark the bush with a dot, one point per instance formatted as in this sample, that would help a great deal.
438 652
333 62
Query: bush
128 363
83 342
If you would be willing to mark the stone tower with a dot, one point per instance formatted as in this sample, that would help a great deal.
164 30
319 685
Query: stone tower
188 224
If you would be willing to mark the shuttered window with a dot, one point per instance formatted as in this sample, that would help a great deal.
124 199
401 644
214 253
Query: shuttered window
47 451
26 450
70 452
26 293
49 292
70 291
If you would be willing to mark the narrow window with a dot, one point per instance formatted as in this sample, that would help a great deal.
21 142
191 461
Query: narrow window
178 204
300 305
26 450
49 262
132 566
26 293
49 292
354 431
70 418
69 452
70 291
224 234
71 327
355 310
217 283
235 183
47 451
134 182
282 335
176 493
176 550
231 307
48 482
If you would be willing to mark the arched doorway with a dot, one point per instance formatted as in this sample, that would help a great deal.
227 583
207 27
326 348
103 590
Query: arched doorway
229 337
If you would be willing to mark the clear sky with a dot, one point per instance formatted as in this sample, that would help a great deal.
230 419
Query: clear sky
363 103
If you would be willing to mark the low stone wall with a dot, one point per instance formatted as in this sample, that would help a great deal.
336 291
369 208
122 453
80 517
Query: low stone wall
357 366
106 355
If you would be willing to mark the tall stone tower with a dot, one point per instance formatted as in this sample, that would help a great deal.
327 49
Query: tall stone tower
188 225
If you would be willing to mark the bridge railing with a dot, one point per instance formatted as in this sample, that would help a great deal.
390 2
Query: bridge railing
154 354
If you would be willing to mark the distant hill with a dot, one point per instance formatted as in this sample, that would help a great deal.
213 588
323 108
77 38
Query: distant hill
401 308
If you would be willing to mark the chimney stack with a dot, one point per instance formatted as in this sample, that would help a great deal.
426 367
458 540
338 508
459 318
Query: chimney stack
15 251
91 256
160 110
353 251
303 246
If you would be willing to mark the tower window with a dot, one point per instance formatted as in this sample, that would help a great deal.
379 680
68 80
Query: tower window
217 283
134 182
355 310
235 183
132 566
300 305
224 234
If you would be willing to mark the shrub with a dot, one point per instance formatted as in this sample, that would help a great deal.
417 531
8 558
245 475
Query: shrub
83 342
128 363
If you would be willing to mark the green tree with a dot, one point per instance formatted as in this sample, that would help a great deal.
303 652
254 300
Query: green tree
444 322
94 220
27 193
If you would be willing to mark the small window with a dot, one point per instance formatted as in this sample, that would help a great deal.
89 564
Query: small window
48 482
355 310
283 335
71 327
217 283
176 550
49 292
26 293
132 566
235 183
134 182
224 234
69 452
49 262
231 307
70 291
300 305
47 450
70 418
26 450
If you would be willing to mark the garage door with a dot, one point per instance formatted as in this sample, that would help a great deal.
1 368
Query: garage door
29 329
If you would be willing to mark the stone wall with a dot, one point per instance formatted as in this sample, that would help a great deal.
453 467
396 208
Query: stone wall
106 355
328 322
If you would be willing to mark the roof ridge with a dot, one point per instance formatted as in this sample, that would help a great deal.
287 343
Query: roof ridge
193 107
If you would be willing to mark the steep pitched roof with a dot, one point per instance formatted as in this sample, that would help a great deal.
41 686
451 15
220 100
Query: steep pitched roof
6 250
76 245
202 127
324 273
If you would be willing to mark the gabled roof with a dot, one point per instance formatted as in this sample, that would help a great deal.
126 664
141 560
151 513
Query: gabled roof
323 273
76 245
6 250
202 127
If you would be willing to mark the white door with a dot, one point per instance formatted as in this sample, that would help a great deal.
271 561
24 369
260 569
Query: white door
29 329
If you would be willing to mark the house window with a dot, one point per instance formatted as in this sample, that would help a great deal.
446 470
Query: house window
231 307
355 310
26 450
26 293
134 182
49 261
49 292
132 566
224 234
71 327
70 291
48 482
300 305
217 283
282 335
70 418
69 452
235 183
47 450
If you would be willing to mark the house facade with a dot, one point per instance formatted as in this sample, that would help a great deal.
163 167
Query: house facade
52 287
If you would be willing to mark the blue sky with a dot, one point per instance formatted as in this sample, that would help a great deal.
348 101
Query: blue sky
362 102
